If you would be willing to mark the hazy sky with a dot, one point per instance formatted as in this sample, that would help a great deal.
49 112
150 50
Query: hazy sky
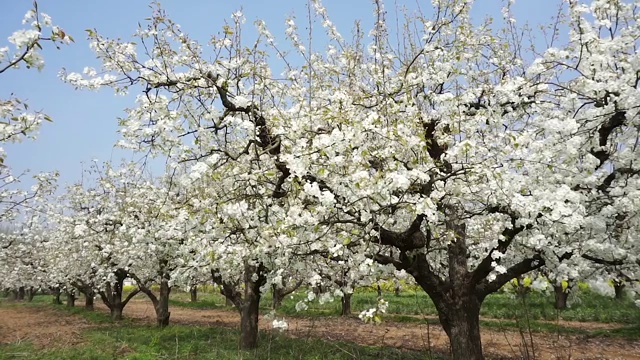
85 122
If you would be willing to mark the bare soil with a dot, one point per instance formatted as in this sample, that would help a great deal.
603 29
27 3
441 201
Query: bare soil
47 327
42 326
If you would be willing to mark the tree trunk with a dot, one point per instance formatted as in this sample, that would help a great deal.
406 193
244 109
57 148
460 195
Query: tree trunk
162 305
228 302
56 296
618 287
249 322
346 304
13 295
461 321
112 295
71 299
20 295
277 297
250 306
561 296
379 288
396 290
31 292
194 293
88 300
116 313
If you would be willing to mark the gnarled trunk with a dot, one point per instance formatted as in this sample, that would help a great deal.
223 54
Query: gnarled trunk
162 304
161 301
276 295
112 295
460 318
250 306
71 298
56 296
561 295
88 301
20 295
618 287
346 304
247 303
116 313
194 293
31 292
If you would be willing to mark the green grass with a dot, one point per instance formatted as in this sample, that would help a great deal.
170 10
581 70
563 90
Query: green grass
589 306
127 340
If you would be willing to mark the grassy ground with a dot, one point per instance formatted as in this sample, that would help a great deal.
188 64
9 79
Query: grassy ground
588 306
535 313
127 340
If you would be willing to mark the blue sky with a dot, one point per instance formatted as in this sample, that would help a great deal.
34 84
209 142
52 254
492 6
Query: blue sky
85 125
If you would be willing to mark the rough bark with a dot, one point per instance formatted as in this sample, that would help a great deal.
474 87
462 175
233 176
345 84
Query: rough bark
460 318
247 303
280 293
618 287
276 296
116 313
31 292
56 296
193 291
87 291
111 295
560 295
250 306
20 295
345 309
161 301
71 298
88 302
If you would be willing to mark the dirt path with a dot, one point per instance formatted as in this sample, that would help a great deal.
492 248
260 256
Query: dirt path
507 344
42 326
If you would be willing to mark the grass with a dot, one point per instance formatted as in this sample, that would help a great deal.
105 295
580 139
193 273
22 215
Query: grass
416 307
588 306
127 340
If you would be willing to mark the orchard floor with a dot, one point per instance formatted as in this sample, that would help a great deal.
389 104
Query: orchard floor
47 327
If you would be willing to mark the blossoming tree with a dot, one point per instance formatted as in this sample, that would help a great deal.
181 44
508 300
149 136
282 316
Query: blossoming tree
456 156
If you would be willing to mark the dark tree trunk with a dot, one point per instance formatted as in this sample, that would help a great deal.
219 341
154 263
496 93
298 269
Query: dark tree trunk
56 296
88 300
161 301
194 293
561 296
20 295
346 304
228 302
460 319
396 290
250 306
31 292
71 299
116 313
618 287
112 295
276 297
162 306
379 290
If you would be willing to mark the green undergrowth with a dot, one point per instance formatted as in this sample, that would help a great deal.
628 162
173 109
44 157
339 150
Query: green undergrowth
586 306
128 340
190 342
